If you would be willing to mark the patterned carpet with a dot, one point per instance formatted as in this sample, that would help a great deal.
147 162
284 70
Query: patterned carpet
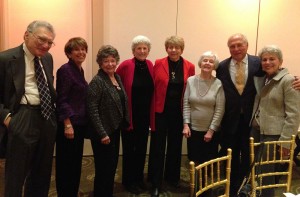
86 185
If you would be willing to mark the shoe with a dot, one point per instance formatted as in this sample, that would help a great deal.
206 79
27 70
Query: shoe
142 185
133 189
155 192
296 160
175 185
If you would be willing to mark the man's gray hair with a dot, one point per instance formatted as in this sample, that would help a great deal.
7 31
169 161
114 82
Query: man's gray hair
36 24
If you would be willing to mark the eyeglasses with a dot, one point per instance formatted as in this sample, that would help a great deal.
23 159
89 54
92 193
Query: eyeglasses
43 41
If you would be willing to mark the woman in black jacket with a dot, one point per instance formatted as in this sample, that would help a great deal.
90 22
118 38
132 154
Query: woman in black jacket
107 109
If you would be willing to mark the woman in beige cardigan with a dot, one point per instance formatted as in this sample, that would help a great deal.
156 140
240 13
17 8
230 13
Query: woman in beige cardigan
277 107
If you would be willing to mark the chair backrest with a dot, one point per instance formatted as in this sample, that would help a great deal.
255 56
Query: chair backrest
272 156
209 175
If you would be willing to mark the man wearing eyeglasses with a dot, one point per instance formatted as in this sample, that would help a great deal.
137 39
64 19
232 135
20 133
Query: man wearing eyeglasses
30 131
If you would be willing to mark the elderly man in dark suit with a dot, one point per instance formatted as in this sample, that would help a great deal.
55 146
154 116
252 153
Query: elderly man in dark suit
235 127
27 98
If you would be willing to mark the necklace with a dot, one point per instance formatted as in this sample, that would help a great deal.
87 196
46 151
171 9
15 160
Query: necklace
115 83
173 68
202 84
173 74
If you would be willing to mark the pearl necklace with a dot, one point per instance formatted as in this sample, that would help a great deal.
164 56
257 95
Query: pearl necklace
205 83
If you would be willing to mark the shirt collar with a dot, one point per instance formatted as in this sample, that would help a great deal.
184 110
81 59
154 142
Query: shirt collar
245 60
27 52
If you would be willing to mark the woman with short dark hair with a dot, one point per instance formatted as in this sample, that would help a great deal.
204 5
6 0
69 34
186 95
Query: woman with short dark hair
108 112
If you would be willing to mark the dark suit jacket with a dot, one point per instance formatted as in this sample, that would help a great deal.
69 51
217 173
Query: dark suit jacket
104 106
235 103
12 82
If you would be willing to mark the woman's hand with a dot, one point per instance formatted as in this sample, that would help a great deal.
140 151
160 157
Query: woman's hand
285 152
208 136
105 140
69 132
186 131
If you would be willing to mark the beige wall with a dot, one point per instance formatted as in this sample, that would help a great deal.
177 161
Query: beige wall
70 18
205 25
2 37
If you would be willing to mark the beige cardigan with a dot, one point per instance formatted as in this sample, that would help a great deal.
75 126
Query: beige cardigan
279 105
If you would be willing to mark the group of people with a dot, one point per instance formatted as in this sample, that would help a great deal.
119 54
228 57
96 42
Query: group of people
125 101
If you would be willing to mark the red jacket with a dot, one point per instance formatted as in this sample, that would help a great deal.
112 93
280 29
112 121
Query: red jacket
161 80
126 72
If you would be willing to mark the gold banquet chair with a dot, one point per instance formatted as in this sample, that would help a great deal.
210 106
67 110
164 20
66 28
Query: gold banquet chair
203 177
276 159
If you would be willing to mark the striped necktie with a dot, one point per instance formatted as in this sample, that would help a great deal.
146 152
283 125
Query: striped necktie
45 97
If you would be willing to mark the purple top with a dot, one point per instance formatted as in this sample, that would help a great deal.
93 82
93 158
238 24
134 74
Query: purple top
71 88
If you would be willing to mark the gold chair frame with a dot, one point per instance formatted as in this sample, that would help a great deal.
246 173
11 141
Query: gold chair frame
212 181
279 160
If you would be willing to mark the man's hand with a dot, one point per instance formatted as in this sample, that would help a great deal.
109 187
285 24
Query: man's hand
7 121
296 83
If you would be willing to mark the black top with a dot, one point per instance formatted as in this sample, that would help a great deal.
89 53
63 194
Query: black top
142 91
175 86
122 98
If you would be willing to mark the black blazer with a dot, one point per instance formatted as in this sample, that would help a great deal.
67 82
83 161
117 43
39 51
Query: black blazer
12 82
104 106
235 103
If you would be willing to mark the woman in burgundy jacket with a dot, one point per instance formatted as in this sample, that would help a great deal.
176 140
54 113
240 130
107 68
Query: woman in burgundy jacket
170 77
137 77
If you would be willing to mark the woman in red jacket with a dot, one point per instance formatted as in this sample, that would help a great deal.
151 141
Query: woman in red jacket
137 77
170 77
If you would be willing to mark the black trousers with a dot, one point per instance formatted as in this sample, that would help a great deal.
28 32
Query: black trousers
168 134
134 154
106 160
240 163
68 161
200 151
269 180
29 156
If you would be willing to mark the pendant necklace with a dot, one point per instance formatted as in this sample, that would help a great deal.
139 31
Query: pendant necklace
174 66
115 83
173 75
203 84
118 87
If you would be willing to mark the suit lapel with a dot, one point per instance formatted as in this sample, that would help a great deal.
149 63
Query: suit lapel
251 69
227 74
47 70
18 73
